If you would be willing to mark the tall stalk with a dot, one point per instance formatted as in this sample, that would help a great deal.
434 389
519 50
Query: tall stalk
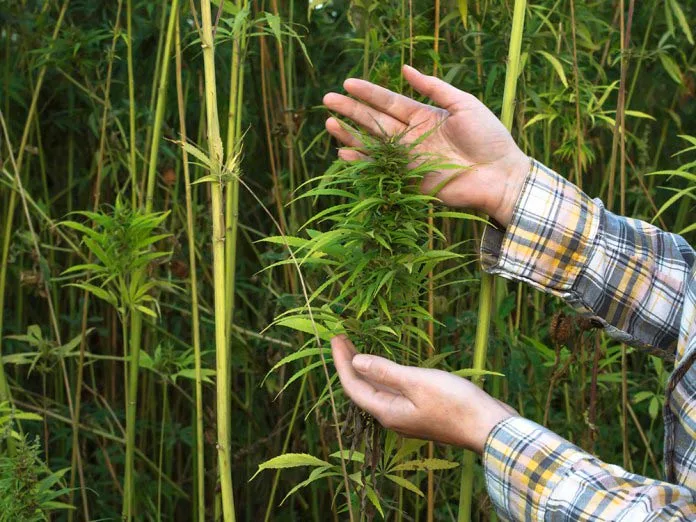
487 281
221 349
195 318
131 105
232 186
136 325
576 85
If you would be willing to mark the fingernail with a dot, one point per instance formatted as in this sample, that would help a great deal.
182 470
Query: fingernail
361 362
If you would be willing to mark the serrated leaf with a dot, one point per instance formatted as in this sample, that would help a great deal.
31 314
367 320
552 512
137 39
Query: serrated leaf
316 474
681 19
471 372
671 68
372 496
408 446
97 292
556 64
308 352
290 460
653 408
355 456
305 325
404 483
425 465
432 362
299 374
459 215
639 114
292 241
464 12
210 178
190 373
641 396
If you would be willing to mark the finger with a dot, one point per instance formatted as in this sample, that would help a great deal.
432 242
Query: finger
442 93
343 352
342 132
363 393
376 122
383 371
395 105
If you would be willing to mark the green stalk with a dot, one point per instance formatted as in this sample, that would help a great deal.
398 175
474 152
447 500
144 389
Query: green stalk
466 487
487 281
4 387
136 317
222 367
163 425
153 93
131 105
195 320
232 186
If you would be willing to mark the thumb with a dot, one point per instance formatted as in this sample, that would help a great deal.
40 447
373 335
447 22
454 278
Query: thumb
442 93
382 371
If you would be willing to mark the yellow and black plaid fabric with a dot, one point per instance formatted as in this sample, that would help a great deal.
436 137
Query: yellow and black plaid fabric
639 283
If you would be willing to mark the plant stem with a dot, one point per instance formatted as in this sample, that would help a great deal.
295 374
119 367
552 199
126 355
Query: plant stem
195 319
131 105
232 187
136 317
218 219
576 85
486 295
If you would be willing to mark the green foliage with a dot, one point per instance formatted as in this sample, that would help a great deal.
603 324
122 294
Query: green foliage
375 249
29 492
122 243
377 259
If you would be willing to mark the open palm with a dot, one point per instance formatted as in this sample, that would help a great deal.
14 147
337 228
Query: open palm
418 402
463 132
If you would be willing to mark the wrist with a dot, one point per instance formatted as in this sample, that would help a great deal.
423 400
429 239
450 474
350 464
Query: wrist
489 420
514 175
472 428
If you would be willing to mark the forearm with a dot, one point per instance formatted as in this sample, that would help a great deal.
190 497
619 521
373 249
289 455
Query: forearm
626 274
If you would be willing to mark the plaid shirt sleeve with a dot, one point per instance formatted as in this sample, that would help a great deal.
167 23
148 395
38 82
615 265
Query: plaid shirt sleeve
534 474
626 274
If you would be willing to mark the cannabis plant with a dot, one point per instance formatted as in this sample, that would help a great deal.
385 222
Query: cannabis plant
376 263
29 491
375 253
122 243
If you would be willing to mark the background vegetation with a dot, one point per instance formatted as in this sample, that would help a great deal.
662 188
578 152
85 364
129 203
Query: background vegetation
136 335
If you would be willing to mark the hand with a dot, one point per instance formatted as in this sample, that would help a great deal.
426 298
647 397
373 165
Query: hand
418 402
466 133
